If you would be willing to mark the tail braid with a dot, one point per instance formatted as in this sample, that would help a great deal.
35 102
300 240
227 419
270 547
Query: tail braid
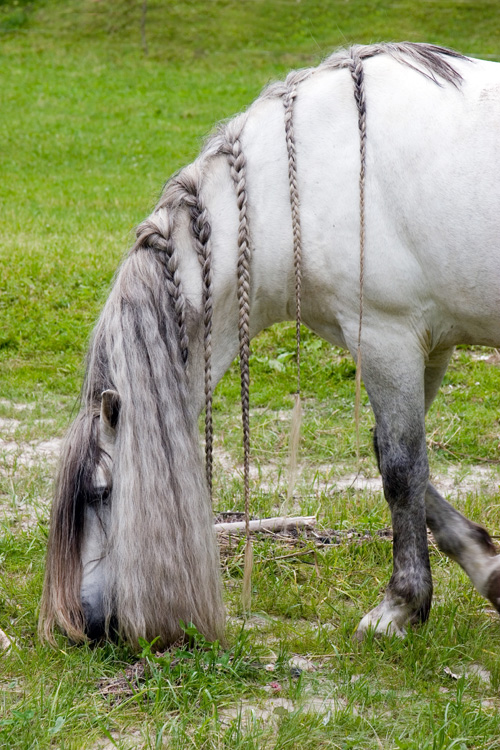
357 73
150 235
237 164
288 103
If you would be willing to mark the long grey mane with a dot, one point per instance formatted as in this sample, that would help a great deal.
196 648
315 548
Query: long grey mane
427 59
158 478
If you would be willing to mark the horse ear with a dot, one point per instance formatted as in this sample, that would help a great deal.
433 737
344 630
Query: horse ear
110 411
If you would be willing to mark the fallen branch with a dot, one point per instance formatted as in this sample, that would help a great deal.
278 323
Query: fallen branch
279 523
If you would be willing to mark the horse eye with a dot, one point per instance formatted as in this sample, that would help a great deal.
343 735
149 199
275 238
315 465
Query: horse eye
100 495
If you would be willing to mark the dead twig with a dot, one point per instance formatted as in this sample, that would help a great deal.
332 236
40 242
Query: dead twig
278 523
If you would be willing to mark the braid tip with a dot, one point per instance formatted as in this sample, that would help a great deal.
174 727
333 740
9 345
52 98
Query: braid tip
246 592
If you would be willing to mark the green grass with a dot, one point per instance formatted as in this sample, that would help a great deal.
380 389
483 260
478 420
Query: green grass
90 129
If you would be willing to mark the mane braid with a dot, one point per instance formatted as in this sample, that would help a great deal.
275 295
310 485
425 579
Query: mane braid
288 103
357 74
151 234
201 231
237 164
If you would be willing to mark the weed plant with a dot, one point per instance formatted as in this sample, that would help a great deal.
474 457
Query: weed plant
90 127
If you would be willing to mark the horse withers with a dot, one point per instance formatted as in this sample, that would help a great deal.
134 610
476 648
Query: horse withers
361 197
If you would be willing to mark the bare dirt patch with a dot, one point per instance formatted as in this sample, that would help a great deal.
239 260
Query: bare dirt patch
126 741
458 480
25 468
29 453
18 455
15 450
16 406
274 708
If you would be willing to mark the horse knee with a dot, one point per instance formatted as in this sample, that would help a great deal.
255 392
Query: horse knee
403 465
405 473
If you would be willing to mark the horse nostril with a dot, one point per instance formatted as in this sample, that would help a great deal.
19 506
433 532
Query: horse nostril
95 630
95 626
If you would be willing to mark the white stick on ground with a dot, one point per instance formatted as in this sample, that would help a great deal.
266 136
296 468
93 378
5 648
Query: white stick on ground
279 523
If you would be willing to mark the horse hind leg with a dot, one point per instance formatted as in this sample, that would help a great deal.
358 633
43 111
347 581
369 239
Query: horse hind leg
461 539
466 542
395 384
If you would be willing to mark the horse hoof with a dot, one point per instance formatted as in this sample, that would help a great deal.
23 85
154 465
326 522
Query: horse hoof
380 624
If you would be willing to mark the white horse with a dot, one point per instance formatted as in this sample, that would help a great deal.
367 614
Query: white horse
364 195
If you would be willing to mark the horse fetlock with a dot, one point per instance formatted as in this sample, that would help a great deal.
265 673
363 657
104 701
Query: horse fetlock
421 615
482 538
411 584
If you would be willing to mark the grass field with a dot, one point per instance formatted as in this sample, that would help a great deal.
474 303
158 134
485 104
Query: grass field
90 128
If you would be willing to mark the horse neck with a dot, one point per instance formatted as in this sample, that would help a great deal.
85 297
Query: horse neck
271 294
